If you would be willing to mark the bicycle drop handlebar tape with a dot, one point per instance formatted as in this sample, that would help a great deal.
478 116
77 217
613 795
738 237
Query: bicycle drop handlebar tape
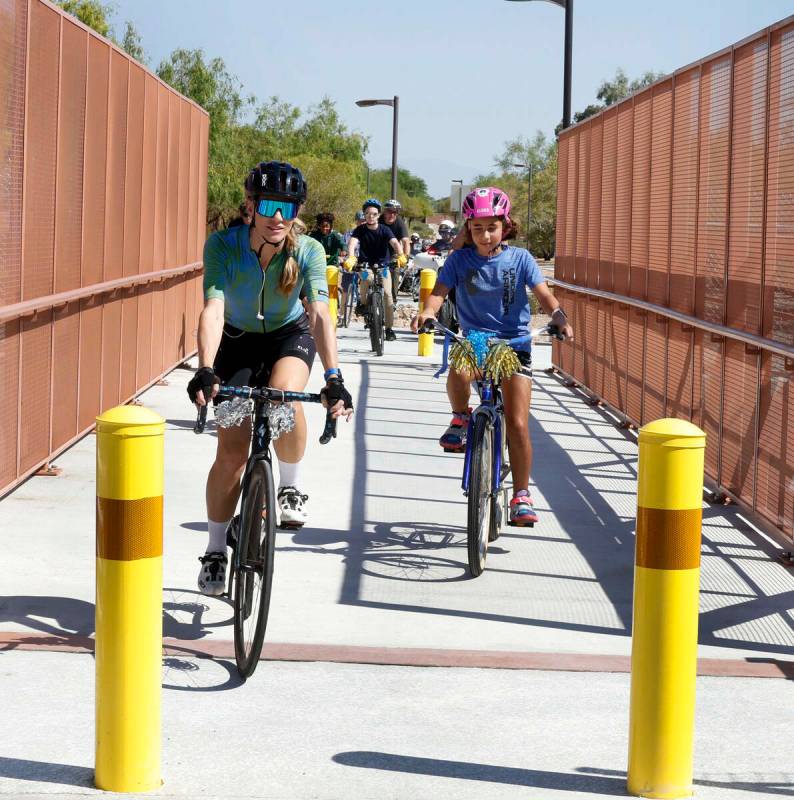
201 420
329 431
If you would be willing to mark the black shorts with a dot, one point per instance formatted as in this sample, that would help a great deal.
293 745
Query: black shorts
526 363
247 359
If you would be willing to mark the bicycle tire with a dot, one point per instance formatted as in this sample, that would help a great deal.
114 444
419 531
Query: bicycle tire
254 566
376 331
480 502
350 301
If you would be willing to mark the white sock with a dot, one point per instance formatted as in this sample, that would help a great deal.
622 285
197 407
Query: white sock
288 474
217 531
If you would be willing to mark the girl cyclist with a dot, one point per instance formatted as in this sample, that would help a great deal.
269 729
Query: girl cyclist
491 279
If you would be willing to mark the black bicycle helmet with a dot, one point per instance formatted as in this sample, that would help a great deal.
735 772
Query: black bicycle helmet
371 202
277 179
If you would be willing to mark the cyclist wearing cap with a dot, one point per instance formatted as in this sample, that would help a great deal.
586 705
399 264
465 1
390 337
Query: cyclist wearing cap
391 219
492 279
254 331
373 241
332 241
416 244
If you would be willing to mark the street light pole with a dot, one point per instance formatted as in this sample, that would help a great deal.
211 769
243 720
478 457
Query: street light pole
394 148
566 78
395 104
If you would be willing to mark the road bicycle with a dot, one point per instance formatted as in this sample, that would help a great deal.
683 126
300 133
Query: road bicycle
485 465
252 534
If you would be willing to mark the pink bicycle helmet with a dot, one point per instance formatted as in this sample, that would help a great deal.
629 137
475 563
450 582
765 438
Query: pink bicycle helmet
488 202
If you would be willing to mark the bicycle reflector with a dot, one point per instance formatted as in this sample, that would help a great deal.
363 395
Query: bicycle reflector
268 208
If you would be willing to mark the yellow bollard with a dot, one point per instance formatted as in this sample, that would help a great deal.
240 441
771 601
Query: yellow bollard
666 582
427 280
332 276
129 598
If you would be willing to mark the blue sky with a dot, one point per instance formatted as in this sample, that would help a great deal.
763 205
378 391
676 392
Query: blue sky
470 75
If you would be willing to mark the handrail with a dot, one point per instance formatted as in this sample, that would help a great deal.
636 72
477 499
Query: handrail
786 351
32 307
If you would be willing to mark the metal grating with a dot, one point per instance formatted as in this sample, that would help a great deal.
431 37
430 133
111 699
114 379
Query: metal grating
640 195
80 198
748 164
607 201
659 201
594 203
684 191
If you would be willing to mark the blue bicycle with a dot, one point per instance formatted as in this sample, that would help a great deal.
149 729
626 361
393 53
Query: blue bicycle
485 465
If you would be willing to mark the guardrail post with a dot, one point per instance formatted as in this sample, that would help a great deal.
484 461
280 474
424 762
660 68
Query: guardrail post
427 281
332 276
129 590
666 583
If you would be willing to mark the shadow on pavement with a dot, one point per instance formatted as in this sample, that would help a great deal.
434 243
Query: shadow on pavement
21 769
465 770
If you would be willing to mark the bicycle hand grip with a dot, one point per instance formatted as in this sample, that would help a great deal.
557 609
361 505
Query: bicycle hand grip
201 420
329 431
427 326
555 331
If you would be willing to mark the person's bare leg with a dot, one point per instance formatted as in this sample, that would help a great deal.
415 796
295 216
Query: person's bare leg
458 390
517 393
223 481
292 375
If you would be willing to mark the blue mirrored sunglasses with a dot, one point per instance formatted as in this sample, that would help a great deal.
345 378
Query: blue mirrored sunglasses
268 208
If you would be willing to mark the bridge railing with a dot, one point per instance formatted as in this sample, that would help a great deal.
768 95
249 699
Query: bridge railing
675 256
102 222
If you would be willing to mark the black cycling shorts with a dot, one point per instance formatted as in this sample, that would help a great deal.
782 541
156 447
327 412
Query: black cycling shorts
526 363
247 359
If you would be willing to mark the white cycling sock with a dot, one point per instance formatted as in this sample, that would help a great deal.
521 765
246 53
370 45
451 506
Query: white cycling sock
217 540
288 474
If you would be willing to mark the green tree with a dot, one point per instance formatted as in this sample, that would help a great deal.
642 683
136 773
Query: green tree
211 85
132 45
411 192
95 14
619 88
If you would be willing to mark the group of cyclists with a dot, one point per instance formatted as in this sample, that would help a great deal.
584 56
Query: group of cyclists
266 317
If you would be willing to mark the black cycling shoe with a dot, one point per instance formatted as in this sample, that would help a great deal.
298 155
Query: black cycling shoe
390 335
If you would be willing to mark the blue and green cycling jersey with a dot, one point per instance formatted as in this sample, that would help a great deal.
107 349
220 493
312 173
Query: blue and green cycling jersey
232 273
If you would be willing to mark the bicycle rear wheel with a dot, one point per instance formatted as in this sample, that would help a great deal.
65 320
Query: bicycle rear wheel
254 566
480 512
376 331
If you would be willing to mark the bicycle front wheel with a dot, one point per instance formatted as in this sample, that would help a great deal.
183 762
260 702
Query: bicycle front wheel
254 566
480 491
376 331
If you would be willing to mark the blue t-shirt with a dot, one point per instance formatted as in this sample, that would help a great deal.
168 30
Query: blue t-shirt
491 292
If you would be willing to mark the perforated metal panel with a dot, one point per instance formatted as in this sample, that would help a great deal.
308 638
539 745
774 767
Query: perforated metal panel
680 362
655 397
594 202
607 202
715 89
748 165
561 240
79 205
684 191
659 201
778 295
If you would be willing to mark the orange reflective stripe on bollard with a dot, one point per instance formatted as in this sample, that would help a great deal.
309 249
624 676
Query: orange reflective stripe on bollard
666 584
129 588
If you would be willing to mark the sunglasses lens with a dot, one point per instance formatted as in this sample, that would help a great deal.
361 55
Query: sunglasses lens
268 208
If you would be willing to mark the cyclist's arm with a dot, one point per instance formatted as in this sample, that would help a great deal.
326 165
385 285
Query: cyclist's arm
432 304
352 247
551 306
210 330
395 245
406 243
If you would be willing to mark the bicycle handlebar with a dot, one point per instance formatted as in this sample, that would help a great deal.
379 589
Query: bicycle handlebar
551 330
275 395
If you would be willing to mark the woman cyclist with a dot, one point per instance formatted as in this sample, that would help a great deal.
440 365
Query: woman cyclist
491 279
253 331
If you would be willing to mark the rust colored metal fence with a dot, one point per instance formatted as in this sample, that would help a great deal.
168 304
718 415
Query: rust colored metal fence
675 257
102 209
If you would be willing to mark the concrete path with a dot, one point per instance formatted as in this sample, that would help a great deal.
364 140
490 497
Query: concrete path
379 578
